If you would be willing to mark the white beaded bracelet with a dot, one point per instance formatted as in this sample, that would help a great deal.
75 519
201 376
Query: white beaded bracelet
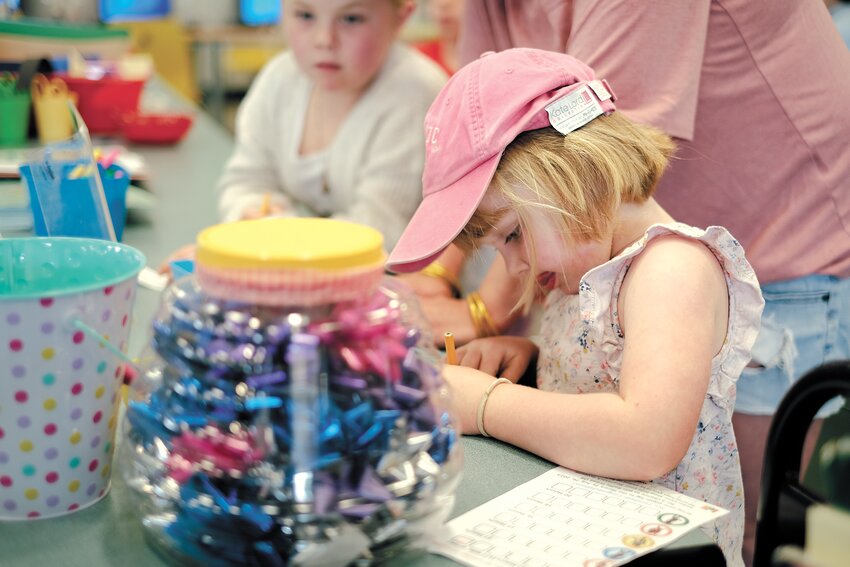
483 403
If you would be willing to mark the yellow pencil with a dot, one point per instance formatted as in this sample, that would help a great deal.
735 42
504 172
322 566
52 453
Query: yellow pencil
451 355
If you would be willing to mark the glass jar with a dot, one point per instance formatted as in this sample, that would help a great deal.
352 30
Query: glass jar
290 408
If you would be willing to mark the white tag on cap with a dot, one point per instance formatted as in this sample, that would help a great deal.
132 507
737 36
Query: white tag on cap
572 111
600 88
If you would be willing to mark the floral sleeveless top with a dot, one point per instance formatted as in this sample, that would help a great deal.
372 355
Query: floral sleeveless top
581 351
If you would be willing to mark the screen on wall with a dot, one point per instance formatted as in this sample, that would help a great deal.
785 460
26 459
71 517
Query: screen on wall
259 12
133 10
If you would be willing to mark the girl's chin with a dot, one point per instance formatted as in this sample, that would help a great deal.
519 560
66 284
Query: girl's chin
329 80
328 83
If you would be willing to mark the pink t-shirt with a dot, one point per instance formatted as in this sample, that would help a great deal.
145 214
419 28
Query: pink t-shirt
756 92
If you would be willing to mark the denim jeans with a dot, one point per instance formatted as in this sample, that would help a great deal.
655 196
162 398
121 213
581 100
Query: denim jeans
806 322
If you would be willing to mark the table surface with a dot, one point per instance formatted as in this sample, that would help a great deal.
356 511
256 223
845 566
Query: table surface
183 179
108 533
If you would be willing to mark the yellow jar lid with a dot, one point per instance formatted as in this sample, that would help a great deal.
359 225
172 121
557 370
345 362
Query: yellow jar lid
293 243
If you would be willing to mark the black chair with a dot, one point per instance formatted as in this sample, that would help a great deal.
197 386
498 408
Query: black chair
783 501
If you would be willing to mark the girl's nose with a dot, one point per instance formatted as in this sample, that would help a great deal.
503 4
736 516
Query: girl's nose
323 36
514 263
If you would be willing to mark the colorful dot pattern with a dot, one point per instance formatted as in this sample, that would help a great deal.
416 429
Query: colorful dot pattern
58 400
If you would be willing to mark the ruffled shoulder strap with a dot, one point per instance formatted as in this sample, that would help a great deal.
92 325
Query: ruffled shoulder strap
745 299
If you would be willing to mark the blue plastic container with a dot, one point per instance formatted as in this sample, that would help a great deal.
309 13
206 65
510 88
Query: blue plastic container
75 203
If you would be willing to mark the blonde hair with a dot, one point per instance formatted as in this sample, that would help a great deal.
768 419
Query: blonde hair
579 179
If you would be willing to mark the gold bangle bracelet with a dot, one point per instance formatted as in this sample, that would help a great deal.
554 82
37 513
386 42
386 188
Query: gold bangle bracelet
476 318
439 271
481 318
474 303
486 317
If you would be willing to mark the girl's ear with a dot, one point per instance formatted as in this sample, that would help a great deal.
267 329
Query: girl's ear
404 11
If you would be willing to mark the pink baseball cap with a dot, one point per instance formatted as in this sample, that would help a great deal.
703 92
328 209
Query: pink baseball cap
483 107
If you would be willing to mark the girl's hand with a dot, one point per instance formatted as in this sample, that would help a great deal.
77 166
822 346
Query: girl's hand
265 210
426 286
186 252
448 314
503 357
467 386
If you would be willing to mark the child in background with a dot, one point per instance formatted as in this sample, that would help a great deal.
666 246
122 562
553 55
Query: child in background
329 128
647 323
445 14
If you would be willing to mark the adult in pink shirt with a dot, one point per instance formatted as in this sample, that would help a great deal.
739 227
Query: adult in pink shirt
756 94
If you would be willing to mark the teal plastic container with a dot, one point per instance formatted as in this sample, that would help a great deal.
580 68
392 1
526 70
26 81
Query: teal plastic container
65 316
52 266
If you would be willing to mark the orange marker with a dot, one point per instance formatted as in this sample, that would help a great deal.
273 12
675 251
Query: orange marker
451 355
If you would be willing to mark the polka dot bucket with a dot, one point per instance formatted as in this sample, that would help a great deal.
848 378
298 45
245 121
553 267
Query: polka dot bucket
65 306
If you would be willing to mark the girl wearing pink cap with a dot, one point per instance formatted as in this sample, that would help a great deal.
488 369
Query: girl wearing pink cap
647 323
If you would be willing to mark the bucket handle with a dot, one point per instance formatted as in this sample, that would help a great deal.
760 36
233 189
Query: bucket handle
76 323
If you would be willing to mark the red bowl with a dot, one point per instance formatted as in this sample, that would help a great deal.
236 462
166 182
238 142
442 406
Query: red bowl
103 102
156 128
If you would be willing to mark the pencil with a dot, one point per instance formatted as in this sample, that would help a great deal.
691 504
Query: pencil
266 207
451 355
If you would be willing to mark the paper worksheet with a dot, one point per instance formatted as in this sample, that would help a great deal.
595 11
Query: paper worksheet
564 518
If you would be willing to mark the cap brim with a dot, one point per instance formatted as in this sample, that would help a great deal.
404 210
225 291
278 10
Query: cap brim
440 218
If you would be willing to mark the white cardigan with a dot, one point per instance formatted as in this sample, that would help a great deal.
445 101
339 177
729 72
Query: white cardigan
372 171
